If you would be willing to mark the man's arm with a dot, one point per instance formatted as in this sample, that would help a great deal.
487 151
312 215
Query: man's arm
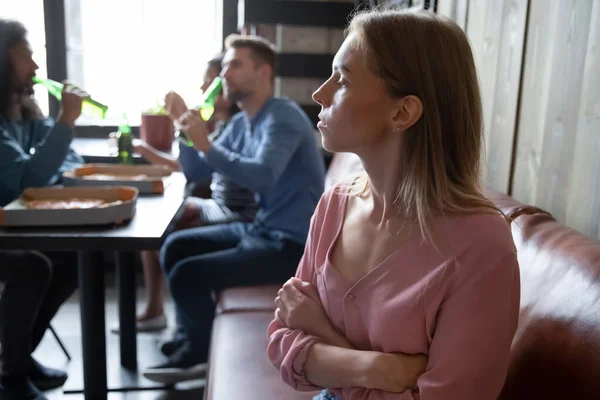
153 156
259 173
193 166
19 169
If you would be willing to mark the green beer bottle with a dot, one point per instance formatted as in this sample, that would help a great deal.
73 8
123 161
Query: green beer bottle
125 143
207 107
89 107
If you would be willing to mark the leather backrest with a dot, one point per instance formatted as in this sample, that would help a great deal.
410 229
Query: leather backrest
556 350
509 206
247 299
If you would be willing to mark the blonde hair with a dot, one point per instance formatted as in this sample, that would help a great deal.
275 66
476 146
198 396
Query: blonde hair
421 54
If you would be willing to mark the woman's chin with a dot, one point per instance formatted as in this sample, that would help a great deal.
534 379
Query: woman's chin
333 146
327 145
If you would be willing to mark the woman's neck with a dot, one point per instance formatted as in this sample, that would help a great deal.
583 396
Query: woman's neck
382 163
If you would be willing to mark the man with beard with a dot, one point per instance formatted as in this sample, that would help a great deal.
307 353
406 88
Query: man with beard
270 149
34 151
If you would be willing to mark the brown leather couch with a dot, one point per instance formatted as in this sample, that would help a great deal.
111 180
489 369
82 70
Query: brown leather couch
556 350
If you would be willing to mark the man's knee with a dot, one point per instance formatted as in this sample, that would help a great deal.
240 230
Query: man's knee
65 268
171 251
190 216
27 269
190 208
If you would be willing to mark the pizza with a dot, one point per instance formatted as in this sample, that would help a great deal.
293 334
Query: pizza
115 177
69 204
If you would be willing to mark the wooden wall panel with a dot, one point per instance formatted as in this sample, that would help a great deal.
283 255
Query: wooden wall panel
534 97
298 89
559 101
302 39
539 68
446 8
461 13
583 212
456 10
496 30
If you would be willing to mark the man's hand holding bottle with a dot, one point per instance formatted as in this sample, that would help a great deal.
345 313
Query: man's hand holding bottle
175 105
70 106
195 129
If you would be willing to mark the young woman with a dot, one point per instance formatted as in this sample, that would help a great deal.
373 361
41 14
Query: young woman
409 284
228 202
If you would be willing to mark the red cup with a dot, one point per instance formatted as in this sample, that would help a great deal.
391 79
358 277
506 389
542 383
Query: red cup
158 131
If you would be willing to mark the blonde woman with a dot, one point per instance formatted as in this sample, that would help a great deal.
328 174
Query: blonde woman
409 284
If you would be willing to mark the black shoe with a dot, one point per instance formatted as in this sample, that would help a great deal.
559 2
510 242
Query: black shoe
46 378
169 347
19 388
182 366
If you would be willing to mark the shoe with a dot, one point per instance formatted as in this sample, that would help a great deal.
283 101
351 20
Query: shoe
19 388
150 325
170 346
45 378
182 366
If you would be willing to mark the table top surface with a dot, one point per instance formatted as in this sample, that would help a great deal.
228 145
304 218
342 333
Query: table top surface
144 231
99 150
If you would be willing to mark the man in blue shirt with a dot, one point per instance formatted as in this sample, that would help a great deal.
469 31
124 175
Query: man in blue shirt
34 151
268 148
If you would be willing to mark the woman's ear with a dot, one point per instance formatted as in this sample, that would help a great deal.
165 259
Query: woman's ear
409 110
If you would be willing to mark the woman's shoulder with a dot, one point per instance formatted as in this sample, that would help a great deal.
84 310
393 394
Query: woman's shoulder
480 242
331 202
482 227
475 238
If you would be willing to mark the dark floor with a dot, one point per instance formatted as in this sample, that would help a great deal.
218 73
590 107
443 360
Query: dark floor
67 325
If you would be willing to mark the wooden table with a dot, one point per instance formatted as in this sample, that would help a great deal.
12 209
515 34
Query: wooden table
145 231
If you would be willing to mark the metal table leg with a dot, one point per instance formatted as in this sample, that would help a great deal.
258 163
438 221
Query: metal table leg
93 335
127 317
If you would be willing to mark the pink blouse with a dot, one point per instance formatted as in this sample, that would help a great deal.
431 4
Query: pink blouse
458 304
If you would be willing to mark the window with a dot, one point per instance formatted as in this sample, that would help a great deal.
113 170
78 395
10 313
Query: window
31 14
129 54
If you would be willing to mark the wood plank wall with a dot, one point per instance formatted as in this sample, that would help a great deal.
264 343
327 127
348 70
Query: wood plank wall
557 143
539 67
496 30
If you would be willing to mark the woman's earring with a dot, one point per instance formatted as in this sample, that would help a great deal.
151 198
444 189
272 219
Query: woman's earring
397 129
